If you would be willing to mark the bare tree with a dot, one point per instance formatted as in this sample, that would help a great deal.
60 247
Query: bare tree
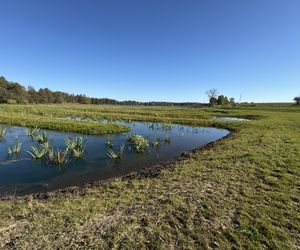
212 93
212 96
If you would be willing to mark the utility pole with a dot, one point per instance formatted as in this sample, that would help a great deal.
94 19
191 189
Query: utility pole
240 98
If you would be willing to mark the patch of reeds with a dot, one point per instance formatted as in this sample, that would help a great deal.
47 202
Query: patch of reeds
37 153
14 150
58 157
115 154
76 146
32 132
109 142
41 138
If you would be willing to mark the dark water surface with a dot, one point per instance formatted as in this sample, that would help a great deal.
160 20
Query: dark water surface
23 175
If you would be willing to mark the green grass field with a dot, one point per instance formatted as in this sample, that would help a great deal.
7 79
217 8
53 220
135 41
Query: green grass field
241 193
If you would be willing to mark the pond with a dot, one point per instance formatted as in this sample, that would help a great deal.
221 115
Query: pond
224 118
21 174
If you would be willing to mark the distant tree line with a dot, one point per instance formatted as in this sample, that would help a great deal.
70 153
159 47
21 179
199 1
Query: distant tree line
297 100
12 92
216 99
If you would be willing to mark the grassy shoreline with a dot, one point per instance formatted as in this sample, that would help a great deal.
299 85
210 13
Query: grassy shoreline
241 193
47 116
10 115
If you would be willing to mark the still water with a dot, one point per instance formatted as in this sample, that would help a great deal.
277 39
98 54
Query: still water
224 118
23 175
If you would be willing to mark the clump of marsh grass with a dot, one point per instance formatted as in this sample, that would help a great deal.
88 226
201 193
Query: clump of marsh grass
109 142
139 143
2 135
58 157
78 153
111 154
76 146
46 146
32 132
14 150
37 153
41 138
114 155
53 156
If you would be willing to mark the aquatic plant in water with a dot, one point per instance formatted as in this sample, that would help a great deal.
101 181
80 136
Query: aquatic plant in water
115 155
2 134
31 132
37 153
109 142
14 150
111 154
76 146
41 138
58 157
155 142
46 146
78 153
139 143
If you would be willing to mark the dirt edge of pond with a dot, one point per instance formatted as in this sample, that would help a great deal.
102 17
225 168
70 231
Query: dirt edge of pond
147 172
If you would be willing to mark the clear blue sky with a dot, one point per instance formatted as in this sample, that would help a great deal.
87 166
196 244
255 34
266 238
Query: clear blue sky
171 50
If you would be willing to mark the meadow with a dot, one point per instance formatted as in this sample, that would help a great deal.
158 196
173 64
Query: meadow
241 192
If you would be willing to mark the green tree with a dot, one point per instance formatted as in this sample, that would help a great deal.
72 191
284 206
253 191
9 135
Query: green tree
223 100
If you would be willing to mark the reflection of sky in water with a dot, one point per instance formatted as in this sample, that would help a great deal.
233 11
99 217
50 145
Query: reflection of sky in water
24 175
223 118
